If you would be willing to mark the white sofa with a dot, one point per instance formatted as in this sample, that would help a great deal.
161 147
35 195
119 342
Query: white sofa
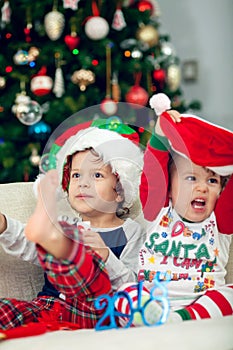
23 280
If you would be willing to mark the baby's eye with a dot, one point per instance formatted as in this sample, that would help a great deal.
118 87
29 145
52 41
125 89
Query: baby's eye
190 178
76 175
213 180
98 175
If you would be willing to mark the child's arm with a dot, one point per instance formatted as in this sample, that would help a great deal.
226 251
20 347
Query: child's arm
13 240
224 209
154 180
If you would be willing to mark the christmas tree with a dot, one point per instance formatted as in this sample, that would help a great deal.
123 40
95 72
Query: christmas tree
60 57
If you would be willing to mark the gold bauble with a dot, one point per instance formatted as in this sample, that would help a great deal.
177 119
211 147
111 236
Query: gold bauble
173 77
148 34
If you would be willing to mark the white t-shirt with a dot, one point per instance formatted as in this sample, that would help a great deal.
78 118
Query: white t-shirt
190 256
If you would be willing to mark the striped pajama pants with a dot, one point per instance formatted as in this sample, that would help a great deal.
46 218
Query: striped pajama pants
214 303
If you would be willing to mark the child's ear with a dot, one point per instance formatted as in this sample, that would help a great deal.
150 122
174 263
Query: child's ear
119 198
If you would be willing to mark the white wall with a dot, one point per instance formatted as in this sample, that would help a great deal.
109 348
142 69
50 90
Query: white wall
203 30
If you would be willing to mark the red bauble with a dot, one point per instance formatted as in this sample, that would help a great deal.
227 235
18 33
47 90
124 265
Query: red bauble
72 41
145 5
41 83
137 96
159 75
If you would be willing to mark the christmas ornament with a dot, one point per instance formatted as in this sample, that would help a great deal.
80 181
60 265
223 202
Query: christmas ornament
58 87
147 34
21 57
48 161
173 77
136 94
128 43
83 78
145 5
39 131
116 91
108 106
27 32
96 28
72 41
54 23
167 49
6 13
41 84
118 22
33 53
159 76
2 82
70 4
136 53
27 111
34 157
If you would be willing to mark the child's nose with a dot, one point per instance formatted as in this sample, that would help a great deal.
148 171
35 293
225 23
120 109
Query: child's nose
202 186
84 181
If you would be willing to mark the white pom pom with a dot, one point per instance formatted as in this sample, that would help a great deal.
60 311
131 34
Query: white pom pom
36 184
160 103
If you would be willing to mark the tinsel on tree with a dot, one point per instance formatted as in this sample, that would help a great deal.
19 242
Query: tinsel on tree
60 57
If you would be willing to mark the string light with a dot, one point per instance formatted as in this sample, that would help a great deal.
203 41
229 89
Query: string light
8 69
127 53
75 52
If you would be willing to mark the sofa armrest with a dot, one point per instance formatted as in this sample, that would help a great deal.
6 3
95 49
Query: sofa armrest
18 279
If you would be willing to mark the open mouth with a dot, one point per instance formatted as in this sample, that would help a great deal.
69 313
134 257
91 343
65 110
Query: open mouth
198 203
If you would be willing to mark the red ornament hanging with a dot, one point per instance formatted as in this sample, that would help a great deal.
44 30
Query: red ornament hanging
41 84
72 41
159 75
137 95
145 5
27 32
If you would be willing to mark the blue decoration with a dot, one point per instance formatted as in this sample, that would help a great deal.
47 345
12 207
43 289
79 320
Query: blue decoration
111 315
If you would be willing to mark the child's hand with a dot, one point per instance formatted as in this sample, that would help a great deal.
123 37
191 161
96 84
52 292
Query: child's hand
94 241
175 116
2 223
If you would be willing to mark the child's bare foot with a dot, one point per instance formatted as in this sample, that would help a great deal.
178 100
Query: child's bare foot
43 227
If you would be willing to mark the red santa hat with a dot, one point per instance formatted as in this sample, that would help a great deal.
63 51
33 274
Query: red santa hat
205 143
116 144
